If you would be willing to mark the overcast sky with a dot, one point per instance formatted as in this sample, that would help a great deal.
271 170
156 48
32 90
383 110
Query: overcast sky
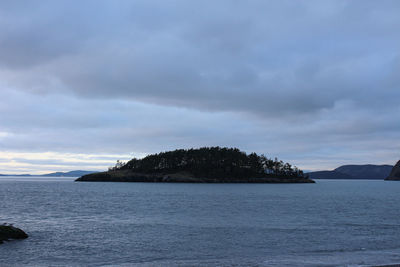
84 83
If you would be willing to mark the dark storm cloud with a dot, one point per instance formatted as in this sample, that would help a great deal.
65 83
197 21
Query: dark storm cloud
318 78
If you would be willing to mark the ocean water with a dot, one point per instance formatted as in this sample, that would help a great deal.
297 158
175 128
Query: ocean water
330 223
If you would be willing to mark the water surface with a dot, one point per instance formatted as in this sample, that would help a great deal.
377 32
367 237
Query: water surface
330 223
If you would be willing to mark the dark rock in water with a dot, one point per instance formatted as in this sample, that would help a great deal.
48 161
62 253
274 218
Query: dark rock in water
395 173
8 232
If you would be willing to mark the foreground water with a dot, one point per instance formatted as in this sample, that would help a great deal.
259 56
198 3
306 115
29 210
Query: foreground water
330 223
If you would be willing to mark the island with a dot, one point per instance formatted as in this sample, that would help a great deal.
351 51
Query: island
8 232
395 173
202 165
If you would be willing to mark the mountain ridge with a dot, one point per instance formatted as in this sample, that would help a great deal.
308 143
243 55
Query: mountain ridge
354 171
74 173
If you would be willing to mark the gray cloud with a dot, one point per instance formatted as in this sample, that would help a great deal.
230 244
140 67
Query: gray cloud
222 56
317 78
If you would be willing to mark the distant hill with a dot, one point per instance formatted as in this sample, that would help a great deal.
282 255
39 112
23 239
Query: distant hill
77 173
368 171
329 175
16 175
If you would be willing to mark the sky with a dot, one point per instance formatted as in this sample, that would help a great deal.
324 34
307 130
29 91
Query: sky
85 83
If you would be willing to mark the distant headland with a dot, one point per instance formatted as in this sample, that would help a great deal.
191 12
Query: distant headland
357 172
395 173
203 165
76 173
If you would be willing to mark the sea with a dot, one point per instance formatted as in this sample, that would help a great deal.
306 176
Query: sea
329 223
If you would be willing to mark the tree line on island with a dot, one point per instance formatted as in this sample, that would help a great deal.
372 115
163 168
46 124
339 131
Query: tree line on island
212 162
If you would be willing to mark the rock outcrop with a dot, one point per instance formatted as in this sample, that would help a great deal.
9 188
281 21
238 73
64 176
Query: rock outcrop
395 173
180 177
8 232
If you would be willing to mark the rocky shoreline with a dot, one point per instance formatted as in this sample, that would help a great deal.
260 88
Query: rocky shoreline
395 173
180 177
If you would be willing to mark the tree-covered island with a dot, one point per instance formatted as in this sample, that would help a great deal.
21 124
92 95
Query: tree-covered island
203 165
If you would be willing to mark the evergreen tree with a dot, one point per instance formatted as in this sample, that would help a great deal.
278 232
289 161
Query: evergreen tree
212 162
